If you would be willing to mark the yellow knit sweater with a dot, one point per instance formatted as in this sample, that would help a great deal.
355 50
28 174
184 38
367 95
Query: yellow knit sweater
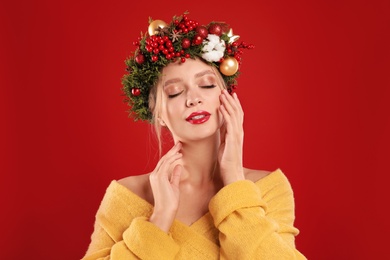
246 220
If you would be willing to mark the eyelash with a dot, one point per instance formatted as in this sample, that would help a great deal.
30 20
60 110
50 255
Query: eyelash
207 87
175 95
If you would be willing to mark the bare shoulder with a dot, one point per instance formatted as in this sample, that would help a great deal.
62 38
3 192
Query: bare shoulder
255 175
139 185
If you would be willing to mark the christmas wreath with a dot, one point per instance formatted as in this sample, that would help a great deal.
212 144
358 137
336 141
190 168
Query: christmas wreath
181 39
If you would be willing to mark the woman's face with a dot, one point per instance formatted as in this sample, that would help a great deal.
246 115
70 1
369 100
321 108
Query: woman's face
190 100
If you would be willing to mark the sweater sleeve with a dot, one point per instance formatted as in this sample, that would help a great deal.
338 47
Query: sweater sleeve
118 235
252 227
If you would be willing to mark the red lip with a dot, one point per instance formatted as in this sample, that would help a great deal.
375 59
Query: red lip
198 117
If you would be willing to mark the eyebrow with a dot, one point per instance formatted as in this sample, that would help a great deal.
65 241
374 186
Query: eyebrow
202 73
197 75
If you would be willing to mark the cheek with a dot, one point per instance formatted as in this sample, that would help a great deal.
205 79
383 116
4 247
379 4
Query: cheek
215 100
171 110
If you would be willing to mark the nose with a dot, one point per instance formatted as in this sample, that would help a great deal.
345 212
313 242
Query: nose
193 101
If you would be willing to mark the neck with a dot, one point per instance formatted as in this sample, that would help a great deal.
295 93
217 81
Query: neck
200 161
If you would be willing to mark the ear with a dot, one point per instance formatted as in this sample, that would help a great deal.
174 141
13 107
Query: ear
161 122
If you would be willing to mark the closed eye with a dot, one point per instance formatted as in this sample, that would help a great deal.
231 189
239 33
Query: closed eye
175 95
209 86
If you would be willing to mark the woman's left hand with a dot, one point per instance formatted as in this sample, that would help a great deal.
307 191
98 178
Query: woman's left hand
232 139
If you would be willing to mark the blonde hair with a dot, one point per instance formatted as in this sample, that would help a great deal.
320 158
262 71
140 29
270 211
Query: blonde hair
155 105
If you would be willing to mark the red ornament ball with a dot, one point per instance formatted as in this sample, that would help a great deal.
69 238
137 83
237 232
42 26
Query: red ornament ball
135 92
197 40
216 29
140 58
185 43
202 31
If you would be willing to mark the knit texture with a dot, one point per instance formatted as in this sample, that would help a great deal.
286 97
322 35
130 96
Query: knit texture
246 220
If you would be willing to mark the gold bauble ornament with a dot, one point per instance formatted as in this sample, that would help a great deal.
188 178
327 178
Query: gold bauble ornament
229 66
155 26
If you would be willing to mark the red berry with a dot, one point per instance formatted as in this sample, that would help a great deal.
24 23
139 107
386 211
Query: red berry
202 31
216 29
154 58
197 40
185 43
140 58
136 92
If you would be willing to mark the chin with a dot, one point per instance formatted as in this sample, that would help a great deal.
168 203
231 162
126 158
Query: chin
199 135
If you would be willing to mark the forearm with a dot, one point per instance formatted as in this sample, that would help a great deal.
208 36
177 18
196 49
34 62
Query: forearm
249 234
140 233
246 231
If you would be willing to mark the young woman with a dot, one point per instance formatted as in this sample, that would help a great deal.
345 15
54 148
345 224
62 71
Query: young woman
199 202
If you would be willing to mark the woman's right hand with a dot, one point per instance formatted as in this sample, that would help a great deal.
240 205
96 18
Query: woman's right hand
164 181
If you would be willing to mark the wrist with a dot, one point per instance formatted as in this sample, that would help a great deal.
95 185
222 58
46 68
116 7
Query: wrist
229 177
162 221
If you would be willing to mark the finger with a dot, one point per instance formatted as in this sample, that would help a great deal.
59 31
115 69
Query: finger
229 102
228 119
174 150
233 101
240 110
166 166
234 108
233 121
172 155
235 97
226 103
222 132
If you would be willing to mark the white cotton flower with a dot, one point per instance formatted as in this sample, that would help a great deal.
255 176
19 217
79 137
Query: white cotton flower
213 48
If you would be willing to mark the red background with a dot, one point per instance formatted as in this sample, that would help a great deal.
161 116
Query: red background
315 92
